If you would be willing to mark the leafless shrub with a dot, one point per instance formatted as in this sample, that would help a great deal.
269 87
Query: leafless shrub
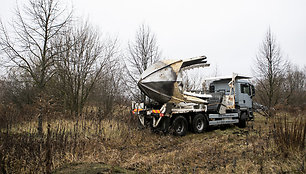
289 134
85 58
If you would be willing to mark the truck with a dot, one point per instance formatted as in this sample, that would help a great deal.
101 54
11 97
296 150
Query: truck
170 108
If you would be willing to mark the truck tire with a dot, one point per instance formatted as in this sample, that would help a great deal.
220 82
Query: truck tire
242 120
180 126
165 124
199 123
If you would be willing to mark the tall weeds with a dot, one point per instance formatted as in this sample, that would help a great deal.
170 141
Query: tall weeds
289 134
24 150
116 141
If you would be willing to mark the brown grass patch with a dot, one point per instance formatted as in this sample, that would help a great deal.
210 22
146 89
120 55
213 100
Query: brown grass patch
118 142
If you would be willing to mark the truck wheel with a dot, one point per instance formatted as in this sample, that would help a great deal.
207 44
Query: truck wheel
199 123
180 126
165 124
242 120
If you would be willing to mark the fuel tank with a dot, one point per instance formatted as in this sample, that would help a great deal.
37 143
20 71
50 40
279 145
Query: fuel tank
162 81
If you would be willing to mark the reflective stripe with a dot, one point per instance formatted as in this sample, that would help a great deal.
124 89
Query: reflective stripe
137 110
156 111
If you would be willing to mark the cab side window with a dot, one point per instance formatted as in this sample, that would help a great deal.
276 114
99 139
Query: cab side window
245 89
211 88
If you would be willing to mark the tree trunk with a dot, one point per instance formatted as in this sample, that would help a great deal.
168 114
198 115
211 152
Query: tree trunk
40 121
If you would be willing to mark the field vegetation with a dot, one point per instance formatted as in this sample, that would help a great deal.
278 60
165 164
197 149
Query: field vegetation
116 144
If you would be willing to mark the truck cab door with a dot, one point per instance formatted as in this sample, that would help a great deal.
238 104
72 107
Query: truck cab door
245 96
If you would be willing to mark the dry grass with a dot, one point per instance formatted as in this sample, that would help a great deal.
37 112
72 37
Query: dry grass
118 142
289 134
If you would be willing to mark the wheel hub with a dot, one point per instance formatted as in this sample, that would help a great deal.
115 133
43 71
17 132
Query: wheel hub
200 124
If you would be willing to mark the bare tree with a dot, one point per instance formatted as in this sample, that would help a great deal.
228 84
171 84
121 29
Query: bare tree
294 87
83 59
110 89
269 72
143 52
29 44
193 81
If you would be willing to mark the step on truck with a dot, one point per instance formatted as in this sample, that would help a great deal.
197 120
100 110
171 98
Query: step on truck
171 109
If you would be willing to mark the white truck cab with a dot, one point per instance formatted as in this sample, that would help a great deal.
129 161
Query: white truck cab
244 91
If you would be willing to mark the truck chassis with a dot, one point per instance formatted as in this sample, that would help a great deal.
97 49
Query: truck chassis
179 119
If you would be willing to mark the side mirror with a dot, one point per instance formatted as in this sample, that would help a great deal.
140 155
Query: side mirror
252 90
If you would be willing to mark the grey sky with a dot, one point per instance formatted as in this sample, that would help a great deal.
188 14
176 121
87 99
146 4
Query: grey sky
229 33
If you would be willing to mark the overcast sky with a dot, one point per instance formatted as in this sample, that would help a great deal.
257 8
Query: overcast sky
228 32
